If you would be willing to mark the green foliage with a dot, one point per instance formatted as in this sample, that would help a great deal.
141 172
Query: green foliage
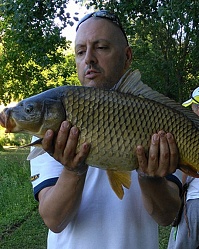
31 43
62 73
164 36
13 139
29 27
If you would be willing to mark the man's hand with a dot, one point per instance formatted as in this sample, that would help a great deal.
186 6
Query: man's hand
63 148
163 156
156 189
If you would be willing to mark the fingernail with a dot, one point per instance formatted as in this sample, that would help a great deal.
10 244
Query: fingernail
65 124
48 133
74 130
155 138
162 134
169 136
139 149
86 146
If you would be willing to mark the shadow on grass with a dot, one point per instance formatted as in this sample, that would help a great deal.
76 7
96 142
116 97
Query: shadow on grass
32 234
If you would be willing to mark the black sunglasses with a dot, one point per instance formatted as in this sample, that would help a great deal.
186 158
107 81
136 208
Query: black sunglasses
103 14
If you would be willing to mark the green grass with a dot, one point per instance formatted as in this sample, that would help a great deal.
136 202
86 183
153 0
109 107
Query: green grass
164 236
20 223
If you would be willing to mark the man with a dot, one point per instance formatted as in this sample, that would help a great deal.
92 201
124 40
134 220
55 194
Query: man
75 200
185 234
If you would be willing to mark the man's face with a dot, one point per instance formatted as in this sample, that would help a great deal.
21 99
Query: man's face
195 108
102 55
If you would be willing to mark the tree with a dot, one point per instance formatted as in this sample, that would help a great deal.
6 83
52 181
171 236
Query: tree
164 36
31 43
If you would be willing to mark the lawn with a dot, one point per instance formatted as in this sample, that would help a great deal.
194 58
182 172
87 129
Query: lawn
20 223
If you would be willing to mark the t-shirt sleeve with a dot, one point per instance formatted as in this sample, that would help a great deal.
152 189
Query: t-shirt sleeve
176 178
45 171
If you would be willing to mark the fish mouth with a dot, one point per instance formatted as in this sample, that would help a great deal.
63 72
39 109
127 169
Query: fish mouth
6 121
3 119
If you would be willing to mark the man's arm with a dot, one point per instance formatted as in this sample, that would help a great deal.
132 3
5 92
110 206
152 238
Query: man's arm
160 196
59 203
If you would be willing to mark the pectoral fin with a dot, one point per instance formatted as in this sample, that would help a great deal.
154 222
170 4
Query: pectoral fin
37 151
118 180
35 143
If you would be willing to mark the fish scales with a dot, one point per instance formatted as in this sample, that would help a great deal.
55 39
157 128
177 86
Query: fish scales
115 123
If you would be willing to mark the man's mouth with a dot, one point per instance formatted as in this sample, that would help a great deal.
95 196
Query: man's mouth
90 74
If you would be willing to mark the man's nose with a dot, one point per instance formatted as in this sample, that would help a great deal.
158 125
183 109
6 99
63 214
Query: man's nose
90 57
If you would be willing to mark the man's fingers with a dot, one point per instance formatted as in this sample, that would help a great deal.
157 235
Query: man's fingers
142 160
174 159
47 142
62 137
162 158
153 159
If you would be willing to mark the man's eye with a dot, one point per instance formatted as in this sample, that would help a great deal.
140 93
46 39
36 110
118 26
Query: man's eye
102 47
80 52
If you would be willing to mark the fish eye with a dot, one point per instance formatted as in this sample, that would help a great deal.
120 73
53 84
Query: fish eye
29 108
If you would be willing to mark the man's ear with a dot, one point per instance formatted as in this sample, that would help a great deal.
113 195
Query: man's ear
129 56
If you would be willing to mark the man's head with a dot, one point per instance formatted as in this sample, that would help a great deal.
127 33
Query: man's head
194 98
195 108
101 50
193 101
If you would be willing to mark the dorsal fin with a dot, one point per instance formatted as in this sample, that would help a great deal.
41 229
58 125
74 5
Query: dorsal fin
131 83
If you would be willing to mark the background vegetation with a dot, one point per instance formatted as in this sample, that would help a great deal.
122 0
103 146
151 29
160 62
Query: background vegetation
34 55
164 36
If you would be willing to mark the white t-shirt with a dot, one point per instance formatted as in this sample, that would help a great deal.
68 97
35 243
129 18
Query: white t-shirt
193 189
103 220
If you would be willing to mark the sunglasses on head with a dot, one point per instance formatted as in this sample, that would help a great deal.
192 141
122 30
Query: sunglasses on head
106 15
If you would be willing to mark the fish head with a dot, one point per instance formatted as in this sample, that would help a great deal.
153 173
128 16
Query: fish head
34 115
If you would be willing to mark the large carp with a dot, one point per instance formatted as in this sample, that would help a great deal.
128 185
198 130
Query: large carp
113 121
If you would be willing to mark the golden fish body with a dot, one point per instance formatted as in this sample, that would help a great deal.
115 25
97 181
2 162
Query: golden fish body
115 123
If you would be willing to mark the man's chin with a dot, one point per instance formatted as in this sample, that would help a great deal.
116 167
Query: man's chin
93 83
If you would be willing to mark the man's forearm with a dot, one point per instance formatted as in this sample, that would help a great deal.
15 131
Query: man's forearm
58 204
161 198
